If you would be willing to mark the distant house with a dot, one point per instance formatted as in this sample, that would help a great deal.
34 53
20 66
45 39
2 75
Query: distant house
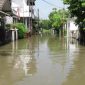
72 28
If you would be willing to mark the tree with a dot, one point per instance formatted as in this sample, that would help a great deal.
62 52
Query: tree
66 1
45 24
58 19
77 9
21 29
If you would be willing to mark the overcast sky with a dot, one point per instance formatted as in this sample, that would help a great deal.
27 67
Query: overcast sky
45 8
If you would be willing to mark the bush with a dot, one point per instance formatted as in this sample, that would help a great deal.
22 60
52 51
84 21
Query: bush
21 30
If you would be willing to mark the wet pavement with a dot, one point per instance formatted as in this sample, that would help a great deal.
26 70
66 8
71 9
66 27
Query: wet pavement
42 60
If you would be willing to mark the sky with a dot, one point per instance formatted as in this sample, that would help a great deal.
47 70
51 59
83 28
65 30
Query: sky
45 8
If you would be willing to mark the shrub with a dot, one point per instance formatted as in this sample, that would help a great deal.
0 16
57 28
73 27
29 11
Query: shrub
21 30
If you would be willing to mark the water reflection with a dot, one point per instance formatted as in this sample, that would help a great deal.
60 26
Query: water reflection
16 61
39 60
76 76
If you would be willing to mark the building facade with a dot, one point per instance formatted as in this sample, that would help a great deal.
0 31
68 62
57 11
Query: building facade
25 11
72 29
5 11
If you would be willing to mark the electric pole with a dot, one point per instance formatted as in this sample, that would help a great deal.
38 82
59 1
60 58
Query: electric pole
29 16
38 21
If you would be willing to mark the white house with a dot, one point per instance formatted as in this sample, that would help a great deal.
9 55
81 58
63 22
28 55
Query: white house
72 28
24 9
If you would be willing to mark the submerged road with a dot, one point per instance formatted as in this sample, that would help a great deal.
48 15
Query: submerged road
42 60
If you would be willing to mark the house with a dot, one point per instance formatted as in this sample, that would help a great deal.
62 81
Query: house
25 11
5 6
72 28
5 10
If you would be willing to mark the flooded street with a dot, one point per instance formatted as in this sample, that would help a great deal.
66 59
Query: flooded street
42 60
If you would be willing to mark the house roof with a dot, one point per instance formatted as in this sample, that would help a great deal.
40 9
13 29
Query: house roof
5 5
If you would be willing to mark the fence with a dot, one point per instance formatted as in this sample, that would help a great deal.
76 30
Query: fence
5 36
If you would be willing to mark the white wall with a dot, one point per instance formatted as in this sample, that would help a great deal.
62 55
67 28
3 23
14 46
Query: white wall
73 26
72 29
21 8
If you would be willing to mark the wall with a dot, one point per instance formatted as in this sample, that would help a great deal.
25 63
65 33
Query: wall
21 8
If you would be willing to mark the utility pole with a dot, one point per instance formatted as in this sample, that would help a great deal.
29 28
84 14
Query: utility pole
38 20
32 16
63 28
23 12
29 16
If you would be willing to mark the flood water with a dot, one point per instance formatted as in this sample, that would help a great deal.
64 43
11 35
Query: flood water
42 60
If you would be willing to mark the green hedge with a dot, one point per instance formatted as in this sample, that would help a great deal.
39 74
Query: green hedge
21 30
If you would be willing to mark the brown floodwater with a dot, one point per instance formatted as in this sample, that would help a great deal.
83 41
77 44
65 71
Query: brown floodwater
42 60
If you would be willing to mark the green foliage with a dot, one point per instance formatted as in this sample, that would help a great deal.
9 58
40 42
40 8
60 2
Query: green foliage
58 18
21 26
21 29
55 19
45 24
77 9
46 31
83 4
66 1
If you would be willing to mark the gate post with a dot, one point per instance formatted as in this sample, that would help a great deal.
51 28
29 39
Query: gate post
13 34
16 32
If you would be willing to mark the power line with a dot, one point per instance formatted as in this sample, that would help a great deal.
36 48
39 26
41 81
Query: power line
54 4
50 3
